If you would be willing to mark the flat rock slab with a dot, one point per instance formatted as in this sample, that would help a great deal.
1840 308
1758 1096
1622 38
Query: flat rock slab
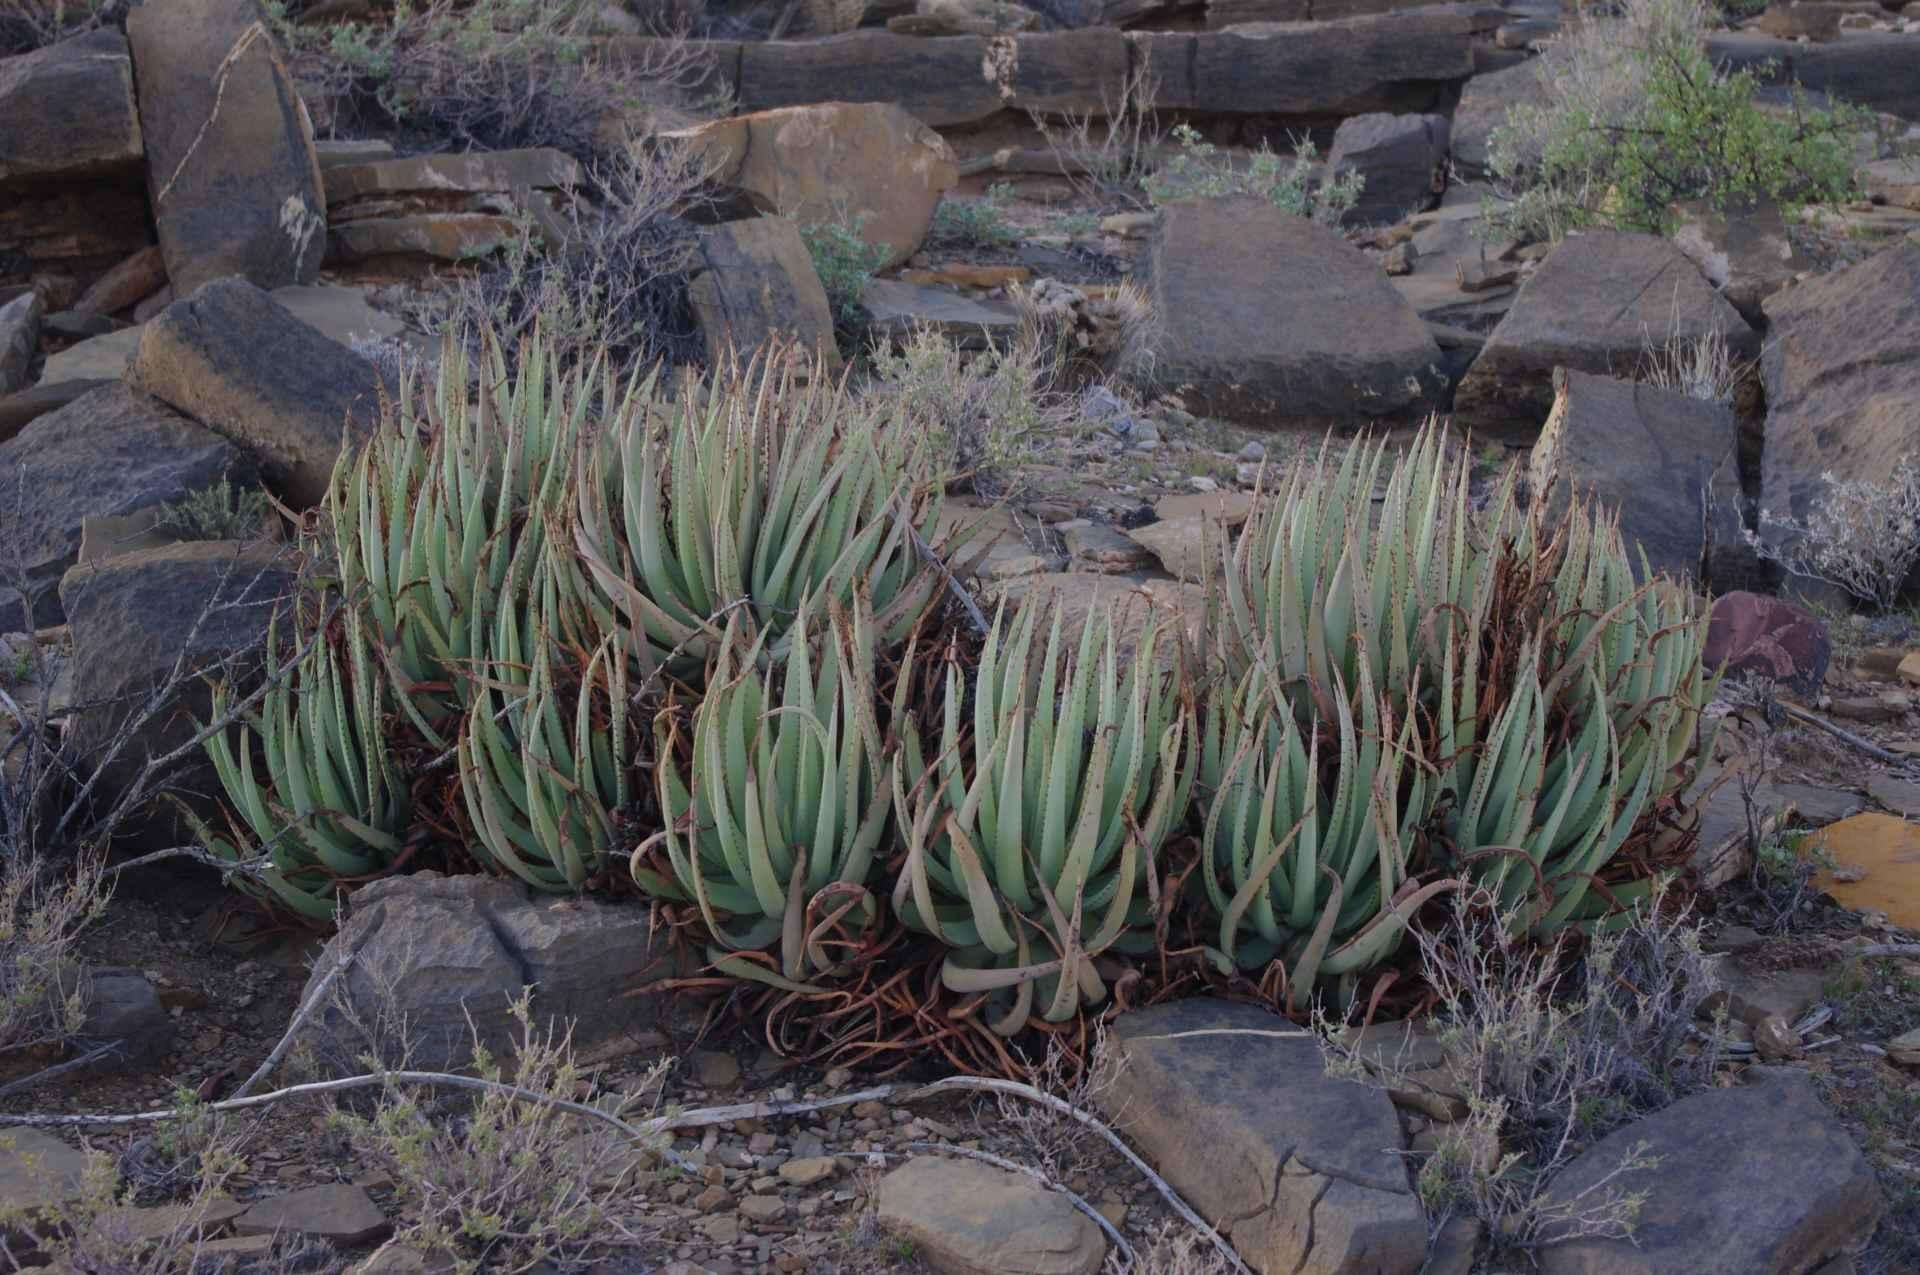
1602 302
231 173
1760 1179
1868 68
69 110
1842 368
1270 319
1885 851
897 308
1657 458
238 362
37 1170
1300 1170
340 1212
108 452
477 172
969 1218
753 284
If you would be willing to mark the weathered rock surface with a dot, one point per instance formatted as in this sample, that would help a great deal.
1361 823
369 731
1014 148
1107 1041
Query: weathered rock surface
447 176
242 365
107 452
1760 1178
1484 104
1271 319
133 280
896 309
1298 1168
69 111
1600 303
19 340
968 1218
753 283
20 408
1663 460
824 163
446 948
123 1007
38 1170
439 236
1842 369
1746 253
231 173
339 1212
1871 69
1753 634
1401 159
131 616
440 208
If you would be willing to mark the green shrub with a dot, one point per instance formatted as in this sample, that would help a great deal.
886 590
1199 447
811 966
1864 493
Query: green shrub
845 263
1638 120
1199 171
974 223
220 511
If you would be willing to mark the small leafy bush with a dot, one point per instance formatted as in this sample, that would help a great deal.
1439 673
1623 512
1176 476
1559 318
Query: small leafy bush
1199 171
1638 119
42 998
845 262
974 223
220 511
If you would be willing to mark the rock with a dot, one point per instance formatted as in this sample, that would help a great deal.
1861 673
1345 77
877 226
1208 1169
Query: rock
335 151
19 409
1905 1048
716 1070
70 112
1599 303
235 360
825 163
961 274
1301 1170
1271 319
70 325
1402 159
897 309
339 1212
1893 181
752 284
1658 458
969 1218
395 1258
1484 104
1756 635
231 173
107 452
1869 69
1900 796
439 236
1186 548
1099 546
19 340
123 1006
965 17
1909 668
1130 604
450 947
133 280
1746 253
809 1170
763 1210
1791 20
445 179
1399 259
1817 806
38 1171
1774 1039
1759 1178
131 616
1879 858
1842 369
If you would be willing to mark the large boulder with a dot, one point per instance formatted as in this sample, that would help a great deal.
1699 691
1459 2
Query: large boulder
1401 159
1842 369
1663 461
145 625
1760 1178
1870 69
968 1218
19 340
1270 319
752 284
242 365
1605 302
108 452
1484 104
448 955
68 111
1301 1170
872 162
231 173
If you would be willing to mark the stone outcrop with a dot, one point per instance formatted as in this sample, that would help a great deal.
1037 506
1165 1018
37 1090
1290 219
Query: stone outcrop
440 208
753 284
1401 160
968 1218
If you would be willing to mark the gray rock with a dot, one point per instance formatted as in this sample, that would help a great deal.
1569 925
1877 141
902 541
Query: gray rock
19 340
235 360
1484 104
1402 159
123 1006
1842 369
480 172
1760 1179
440 949
339 1212
1746 253
969 1218
231 173
1301 1170
69 111
20 409
1818 806
107 452
131 616
1664 461
1868 68
135 279
1270 319
754 283
38 1170
1602 302
896 308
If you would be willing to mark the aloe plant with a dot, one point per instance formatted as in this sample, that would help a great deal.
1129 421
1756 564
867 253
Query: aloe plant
1032 830
330 806
773 815
755 493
